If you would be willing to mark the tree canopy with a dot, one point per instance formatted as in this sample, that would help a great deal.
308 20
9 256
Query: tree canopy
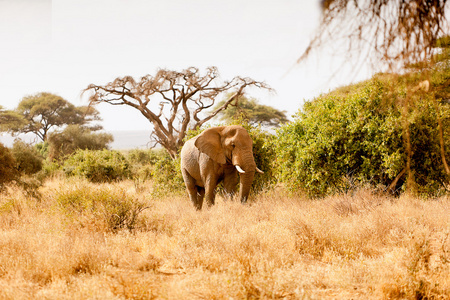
254 113
172 101
10 119
41 112
75 137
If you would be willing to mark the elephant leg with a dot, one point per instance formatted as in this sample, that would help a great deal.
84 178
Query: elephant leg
230 182
195 197
200 195
210 191
192 190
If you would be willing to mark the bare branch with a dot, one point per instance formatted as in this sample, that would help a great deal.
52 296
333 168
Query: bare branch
188 92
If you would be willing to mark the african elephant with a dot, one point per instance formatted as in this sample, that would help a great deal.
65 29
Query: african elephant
216 155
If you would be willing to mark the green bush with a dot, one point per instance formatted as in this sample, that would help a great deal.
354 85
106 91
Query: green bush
42 148
73 137
50 169
166 174
144 157
8 171
97 165
143 162
354 136
28 159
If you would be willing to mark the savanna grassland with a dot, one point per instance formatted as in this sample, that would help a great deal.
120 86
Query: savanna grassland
81 240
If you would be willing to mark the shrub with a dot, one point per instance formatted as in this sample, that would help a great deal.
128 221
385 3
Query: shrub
143 162
28 159
108 207
42 148
166 174
50 169
73 137
8 171
97 165
355 135
144 157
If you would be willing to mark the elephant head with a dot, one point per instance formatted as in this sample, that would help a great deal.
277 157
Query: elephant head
231 145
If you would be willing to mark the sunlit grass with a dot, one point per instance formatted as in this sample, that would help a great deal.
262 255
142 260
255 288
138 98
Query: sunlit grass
359 246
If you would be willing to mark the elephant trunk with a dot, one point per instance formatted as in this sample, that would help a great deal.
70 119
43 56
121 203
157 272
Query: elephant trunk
246 180
246 166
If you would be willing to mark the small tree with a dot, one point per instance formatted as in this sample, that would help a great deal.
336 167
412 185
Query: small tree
28 159
172 101
44 111
75 137
8 171
249 110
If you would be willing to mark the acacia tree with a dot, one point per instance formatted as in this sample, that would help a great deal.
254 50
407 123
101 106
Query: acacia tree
41 112
253 112
9 118
173 102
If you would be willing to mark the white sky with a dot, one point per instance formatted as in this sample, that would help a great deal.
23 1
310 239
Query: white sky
62 46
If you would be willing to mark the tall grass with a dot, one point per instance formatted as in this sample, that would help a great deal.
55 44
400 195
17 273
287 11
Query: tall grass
359 246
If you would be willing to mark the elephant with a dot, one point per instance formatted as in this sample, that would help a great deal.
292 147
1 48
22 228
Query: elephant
217 155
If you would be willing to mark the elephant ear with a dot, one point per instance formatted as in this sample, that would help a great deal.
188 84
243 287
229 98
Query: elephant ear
209 142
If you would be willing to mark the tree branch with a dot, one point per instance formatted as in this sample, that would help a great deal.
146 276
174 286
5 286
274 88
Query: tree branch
188 92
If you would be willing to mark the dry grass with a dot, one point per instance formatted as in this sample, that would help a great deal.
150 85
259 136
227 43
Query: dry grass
347 247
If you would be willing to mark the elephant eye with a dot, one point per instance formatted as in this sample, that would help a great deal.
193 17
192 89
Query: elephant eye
233 145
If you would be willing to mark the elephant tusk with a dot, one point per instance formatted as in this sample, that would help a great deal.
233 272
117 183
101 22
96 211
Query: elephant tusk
239 169
259 171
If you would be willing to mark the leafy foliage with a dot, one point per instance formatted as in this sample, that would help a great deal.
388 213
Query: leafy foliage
40 113
73 137
144 164
166 174
8 171
98 165
10 119
355 136
28 159
19 166
42 148
252 112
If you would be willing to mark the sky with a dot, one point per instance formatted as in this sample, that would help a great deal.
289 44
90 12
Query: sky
62 46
